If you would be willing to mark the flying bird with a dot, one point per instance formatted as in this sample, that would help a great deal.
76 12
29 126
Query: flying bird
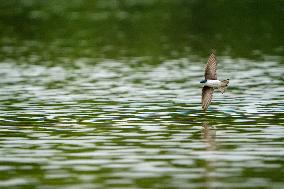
210 82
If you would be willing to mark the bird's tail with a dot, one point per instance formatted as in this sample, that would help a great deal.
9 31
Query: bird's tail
225 83
222 89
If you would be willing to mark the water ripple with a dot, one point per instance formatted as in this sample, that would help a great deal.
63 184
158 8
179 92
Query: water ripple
112 124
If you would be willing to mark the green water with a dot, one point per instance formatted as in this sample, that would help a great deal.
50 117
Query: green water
106 94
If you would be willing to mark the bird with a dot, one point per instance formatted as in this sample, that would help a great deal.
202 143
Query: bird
210 82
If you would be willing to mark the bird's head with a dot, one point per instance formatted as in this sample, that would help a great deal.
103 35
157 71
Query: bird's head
203 81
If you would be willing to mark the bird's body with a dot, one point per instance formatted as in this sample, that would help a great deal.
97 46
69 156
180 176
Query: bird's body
211 82
215 83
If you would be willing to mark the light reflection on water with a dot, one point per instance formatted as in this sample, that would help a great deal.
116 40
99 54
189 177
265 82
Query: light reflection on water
124 124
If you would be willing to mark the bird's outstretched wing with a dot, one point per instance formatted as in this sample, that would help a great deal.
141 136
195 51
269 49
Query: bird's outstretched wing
211 67
207 94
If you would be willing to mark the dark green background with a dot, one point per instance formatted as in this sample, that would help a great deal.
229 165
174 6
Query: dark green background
129 28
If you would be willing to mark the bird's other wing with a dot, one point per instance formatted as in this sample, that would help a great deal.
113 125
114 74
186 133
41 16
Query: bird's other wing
211 67
207 94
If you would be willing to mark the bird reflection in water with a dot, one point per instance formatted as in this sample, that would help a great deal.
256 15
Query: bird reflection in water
209 135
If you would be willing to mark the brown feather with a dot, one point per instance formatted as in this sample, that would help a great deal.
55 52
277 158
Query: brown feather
207 94
211 67
225 83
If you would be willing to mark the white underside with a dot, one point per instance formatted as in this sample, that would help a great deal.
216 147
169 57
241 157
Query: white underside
213 83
